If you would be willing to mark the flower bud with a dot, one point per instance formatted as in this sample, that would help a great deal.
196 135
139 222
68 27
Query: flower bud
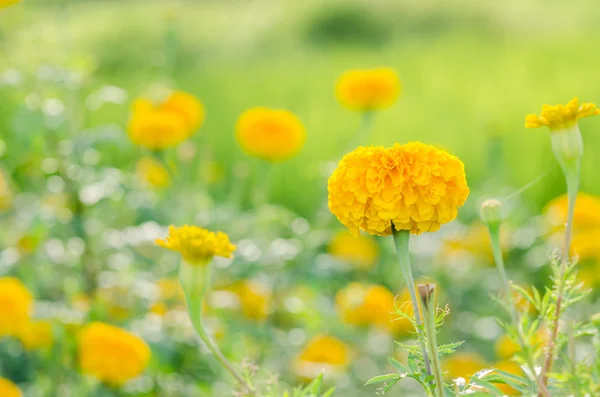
426 293
491 212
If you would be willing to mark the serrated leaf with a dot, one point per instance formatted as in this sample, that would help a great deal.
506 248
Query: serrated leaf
398 365
382 378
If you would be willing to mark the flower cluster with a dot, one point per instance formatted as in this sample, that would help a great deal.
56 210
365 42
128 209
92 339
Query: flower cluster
197 245
368 89
414 186
560 117
162 125
111 354
270 134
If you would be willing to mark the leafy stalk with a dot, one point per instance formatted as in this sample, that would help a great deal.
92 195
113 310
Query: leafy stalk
427 296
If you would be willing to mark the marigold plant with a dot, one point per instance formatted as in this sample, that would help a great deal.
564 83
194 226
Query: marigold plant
270 134
368 89
162 125
559 117
197 245
16 304
111 354
414 186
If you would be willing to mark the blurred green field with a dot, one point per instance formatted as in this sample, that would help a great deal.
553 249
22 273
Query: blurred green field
471 71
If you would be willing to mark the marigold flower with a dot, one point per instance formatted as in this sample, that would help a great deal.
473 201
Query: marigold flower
8 388
561 117
36 335
255 298
16 303
463 365
414 186
197 245
270 134
166 124
506 348
368 89
111 354
153 172
360 251
323 354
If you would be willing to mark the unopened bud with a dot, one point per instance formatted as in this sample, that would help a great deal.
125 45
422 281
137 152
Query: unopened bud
426 292
491 212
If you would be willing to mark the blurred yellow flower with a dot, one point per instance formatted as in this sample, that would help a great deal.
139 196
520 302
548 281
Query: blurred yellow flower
166 124
255 298
368 89
270 134
512 368
6 3
170 289
9 389
463 365
560 117
363 305
506 348
197 246
152 172
323 354
111 354
415 186
361 252
16 303
36 335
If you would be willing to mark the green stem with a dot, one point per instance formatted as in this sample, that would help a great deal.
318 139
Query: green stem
195 281
401 238
430 308
262 187
364 130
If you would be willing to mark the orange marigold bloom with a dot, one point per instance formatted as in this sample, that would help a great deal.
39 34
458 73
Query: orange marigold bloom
9 389
560 117
270 134
368 89
16 303
166 124
197 245
112 354
359 251
415 186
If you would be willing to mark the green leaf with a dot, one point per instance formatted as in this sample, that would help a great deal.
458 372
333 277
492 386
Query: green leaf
382 378
396 364
329 392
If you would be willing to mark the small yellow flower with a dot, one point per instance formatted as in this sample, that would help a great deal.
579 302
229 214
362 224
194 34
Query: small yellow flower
6 3
170 289
270 134
414 186
197 245
255 298
561 117
16 303
153 172
36 335
365 305
368 89
111 354
166 124
9 389
323 354
463 365
361 251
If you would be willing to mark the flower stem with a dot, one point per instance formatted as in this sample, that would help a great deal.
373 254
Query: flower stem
401 238
429 307
364 130
571 172
195 281
494 231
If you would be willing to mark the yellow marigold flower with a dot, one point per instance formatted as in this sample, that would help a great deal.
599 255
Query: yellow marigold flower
255 298
36 335
170 289
16 303
415 186
9 389
197 245
463 365
360 251
368 89
506 348
560 117
111 354
323 354
166 124
270 134
6 3
153 172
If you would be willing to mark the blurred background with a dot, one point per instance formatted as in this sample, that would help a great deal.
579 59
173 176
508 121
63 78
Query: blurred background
80 214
